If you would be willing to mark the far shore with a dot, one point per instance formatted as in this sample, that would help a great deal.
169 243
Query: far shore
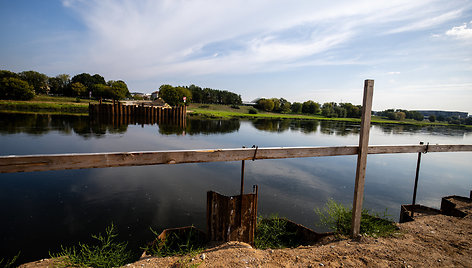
72 106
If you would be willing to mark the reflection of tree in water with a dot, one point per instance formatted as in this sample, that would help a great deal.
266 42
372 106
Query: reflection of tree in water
40 124
339 128
198 126
272 125
432 130
307 126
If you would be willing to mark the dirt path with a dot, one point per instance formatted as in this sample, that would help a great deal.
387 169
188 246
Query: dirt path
432 241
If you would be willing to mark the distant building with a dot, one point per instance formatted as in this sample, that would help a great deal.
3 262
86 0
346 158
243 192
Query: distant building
154 95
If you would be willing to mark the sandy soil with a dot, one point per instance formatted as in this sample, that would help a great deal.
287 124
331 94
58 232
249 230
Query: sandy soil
430 241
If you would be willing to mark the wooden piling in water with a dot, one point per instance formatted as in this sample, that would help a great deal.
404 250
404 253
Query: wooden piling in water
119 113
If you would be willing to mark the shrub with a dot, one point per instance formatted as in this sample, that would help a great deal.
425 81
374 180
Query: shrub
272 232
107 253
174 244
252 111
339 218
235 106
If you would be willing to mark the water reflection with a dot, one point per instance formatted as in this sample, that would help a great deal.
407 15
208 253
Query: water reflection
41 124
62 207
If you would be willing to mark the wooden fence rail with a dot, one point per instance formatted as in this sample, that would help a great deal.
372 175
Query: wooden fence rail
26 163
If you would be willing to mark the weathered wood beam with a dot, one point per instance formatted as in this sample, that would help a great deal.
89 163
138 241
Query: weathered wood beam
24 163
362 157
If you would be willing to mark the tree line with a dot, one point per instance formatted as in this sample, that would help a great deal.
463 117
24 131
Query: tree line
399 114
328 109
174 95
24 86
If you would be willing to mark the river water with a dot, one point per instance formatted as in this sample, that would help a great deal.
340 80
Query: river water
43 210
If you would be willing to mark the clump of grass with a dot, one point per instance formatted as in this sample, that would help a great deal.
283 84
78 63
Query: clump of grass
9 262
339 218
188 242
106 253
272 232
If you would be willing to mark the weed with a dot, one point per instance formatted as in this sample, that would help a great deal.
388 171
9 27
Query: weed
339 218
9 263
107 253
272 232
176 243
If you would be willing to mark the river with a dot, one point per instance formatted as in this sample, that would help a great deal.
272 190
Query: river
43 210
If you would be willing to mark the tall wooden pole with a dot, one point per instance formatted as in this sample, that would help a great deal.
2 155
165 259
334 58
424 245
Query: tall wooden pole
362 157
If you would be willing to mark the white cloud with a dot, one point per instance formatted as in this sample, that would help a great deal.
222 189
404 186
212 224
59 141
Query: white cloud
461 32
163 37
427 22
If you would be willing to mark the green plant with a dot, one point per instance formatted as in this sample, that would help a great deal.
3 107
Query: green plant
107 252
272 232
252 111
176 243
339 218
235 106
9 263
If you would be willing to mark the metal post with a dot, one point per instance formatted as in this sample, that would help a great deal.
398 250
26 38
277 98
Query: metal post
241 193
416 177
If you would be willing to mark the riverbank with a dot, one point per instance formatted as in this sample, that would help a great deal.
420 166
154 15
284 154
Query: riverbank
430 241
47 104
228 112
72 106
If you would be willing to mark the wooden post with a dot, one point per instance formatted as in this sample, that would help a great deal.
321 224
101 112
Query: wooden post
362 157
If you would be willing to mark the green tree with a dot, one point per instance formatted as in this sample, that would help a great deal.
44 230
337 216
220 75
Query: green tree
89 81
327 109
285 106
6 73
12 88
78 89
174 95
265 104
296 108
276 104
119 89
59 84
400 116
310 107
432 118
39 81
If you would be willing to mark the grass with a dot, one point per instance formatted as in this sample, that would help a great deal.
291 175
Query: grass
9 262
339 218
272 232
47 104
188 242
105 253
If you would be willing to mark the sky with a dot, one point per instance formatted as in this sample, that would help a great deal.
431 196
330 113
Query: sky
419 53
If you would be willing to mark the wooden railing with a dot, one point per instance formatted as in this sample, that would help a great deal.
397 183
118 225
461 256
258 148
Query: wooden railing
14 163
27 163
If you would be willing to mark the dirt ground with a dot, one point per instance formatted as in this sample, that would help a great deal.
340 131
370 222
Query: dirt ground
429 241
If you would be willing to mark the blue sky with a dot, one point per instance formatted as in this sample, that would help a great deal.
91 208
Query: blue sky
418 52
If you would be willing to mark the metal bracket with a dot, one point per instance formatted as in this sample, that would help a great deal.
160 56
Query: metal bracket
426 149
255 152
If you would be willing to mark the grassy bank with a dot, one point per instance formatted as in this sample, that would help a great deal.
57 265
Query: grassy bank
228 112
46 104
